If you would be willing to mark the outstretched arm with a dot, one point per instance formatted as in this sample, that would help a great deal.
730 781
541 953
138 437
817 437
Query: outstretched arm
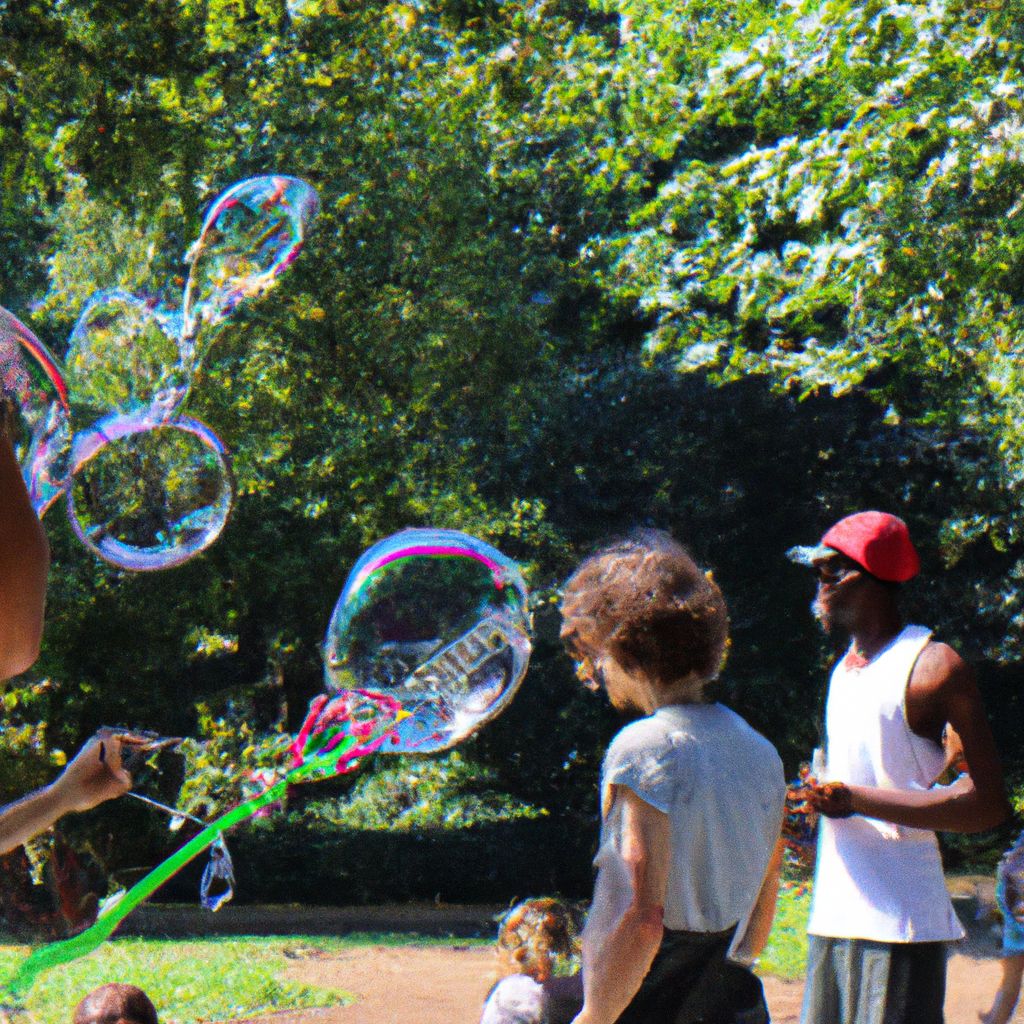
24 560
93 776
624 927
942 691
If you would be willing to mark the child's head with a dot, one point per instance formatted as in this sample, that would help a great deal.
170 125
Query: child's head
115 1004
534 935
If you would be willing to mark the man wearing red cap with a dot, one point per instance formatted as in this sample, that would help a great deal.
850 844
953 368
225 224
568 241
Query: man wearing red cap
881 916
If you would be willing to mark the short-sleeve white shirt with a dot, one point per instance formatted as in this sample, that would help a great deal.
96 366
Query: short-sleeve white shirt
723 786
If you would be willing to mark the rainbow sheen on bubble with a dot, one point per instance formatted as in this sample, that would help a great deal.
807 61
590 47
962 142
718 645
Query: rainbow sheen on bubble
120 357
250 235
149 494
439 621
33 379
147 486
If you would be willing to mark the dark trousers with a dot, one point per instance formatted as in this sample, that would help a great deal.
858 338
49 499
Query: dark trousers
691 982
857 981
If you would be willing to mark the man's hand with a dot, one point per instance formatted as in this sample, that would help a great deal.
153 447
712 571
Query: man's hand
833 799
95 775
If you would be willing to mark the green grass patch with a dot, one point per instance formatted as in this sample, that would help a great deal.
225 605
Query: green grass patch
197 980
785 955
188 981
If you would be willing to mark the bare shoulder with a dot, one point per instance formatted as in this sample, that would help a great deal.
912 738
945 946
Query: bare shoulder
939 670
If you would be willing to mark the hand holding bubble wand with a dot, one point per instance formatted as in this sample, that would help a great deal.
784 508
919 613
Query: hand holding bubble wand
429 641
148 487
333 739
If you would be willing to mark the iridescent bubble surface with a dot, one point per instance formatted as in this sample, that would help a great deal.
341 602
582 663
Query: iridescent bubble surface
33 379
251 234
147 486
119 355
147 494
439 621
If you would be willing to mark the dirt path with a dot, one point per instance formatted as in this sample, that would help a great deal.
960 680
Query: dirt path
447 984
438 985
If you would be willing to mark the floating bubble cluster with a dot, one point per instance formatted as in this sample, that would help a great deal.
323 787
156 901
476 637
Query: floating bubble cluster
147 486
439 621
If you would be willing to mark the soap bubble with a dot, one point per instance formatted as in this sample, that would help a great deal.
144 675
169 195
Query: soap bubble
439 621
251 233
148 493
120 356
32 379
148 487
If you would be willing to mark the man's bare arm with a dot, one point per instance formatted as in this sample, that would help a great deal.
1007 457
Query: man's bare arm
942 690
624 927
24 560
93 776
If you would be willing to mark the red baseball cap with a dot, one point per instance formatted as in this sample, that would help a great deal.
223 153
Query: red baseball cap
877 541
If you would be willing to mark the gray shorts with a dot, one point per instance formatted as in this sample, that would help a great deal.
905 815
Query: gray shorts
856 981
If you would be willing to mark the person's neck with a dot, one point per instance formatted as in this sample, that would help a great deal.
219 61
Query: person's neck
873 635
658 697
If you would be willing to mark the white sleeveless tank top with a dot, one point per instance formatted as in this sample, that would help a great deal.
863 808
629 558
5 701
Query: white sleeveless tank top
876 880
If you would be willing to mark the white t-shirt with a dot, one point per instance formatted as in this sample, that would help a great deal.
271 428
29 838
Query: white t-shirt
517 999
723 786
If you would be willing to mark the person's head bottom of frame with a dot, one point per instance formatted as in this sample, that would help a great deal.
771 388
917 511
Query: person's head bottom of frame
115 1004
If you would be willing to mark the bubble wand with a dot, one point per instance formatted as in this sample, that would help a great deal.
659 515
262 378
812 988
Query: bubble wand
337 732
422 682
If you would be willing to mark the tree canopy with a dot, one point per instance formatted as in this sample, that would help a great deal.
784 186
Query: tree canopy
732 269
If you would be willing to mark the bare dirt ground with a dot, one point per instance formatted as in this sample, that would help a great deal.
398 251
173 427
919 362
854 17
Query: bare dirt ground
411 985
447 984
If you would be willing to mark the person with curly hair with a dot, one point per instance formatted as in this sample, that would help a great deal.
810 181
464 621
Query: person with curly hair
536 937
691 798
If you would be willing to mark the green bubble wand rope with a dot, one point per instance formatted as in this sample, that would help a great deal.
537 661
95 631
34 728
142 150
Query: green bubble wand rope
337 732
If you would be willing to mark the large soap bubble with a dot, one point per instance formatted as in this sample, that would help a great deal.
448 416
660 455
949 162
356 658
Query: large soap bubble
439 621
251 233
32 379
148 494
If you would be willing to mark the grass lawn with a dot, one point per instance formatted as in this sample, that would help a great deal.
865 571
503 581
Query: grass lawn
785 956
194 980
191 981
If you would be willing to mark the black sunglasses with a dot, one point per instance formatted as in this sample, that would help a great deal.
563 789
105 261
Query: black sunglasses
833 575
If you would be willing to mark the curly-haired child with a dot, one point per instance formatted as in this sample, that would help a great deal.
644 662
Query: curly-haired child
536 940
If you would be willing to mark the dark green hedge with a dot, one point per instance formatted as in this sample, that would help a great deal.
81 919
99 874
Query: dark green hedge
487 864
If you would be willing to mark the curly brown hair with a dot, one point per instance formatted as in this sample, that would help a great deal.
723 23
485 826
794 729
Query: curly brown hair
535 935
645 601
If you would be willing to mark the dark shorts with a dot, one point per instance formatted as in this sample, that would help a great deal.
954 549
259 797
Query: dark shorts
856 981
691 982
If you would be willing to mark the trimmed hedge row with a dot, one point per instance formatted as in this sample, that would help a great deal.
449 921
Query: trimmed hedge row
276 863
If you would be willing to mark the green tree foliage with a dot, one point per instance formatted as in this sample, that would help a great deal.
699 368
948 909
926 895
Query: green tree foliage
535 215
842 210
